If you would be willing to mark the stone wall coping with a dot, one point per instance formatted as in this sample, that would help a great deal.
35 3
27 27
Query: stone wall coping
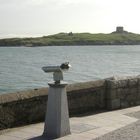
119 78
31 93
21 95
27 94
85 85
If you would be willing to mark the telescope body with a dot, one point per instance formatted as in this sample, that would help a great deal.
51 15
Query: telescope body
51 69
57 71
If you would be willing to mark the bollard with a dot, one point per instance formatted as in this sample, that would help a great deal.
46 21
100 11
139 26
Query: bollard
57 116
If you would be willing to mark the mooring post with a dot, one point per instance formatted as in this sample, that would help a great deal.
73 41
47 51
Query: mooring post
57 116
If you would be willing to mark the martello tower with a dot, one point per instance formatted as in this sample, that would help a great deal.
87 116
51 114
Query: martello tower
119 29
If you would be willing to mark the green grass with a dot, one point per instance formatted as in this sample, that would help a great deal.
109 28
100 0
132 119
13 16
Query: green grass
62 39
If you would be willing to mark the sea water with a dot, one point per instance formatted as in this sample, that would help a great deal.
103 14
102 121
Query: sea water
20 67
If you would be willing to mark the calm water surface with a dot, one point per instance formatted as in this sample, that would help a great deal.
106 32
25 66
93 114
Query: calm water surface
20 68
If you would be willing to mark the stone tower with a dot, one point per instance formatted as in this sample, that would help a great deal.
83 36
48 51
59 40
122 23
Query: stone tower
119 29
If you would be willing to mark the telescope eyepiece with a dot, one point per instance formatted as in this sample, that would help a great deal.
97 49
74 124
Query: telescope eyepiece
65 66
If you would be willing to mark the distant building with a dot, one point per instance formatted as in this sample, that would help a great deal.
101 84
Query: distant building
70 33
119 29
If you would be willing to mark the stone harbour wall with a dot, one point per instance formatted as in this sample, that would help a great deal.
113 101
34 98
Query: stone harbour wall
86 97
122 92
26 107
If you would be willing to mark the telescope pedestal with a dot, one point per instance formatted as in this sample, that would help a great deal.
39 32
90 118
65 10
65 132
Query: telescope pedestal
57 116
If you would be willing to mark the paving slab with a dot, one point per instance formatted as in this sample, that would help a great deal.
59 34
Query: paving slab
103 126
3 137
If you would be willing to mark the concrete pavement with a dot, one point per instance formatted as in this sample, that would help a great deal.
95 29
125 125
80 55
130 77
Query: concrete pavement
103 126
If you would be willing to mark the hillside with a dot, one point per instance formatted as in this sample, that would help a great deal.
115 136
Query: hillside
62 39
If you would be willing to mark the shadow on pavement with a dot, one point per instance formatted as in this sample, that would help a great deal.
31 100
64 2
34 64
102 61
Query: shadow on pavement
40 138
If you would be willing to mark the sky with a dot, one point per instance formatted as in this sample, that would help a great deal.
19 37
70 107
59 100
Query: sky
25 18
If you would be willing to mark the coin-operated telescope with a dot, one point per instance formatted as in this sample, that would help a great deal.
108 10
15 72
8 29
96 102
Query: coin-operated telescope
57 115
57 71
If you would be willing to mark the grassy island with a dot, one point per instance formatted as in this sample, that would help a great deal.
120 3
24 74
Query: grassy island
62 39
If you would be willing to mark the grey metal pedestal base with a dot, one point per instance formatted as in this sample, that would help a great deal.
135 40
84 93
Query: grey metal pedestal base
57 117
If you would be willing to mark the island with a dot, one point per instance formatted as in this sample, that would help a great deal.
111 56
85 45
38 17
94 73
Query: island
118 37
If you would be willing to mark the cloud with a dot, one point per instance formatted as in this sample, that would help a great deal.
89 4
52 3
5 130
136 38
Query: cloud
42 2
23 2
11 2
37 2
